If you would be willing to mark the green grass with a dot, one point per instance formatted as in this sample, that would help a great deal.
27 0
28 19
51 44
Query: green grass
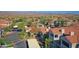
4 41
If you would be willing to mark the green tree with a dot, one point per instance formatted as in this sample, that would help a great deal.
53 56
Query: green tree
47 42
61 22
4 41
43 21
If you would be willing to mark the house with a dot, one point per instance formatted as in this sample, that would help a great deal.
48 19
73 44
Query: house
40 25
28 29
40 39
69 39
1 32
63 37
56 32
77 46
76 28
71 34
64 42
43 30
4 23
59 41
40 36
73 40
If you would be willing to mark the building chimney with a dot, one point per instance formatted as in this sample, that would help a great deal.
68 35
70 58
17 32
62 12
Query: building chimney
72 33
63 31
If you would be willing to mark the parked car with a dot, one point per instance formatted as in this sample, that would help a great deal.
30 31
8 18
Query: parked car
17 30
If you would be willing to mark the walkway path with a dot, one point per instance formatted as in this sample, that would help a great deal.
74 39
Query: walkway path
33 43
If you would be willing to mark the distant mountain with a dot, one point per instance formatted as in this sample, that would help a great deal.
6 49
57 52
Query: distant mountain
36 12
57 12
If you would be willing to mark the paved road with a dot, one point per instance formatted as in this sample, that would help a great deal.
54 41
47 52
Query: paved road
20 44
13 37
32 43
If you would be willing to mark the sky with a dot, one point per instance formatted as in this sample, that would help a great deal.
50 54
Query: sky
39 5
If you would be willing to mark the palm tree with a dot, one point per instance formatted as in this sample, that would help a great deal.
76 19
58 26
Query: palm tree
62 22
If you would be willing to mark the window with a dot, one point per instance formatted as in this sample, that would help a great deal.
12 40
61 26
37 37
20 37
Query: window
56 36
77 46
65 43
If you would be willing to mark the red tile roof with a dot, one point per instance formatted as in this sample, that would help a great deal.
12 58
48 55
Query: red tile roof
3 23
43 29
72 39
34 29
67 30
56 30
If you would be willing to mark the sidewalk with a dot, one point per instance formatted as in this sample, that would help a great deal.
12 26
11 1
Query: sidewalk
33 43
